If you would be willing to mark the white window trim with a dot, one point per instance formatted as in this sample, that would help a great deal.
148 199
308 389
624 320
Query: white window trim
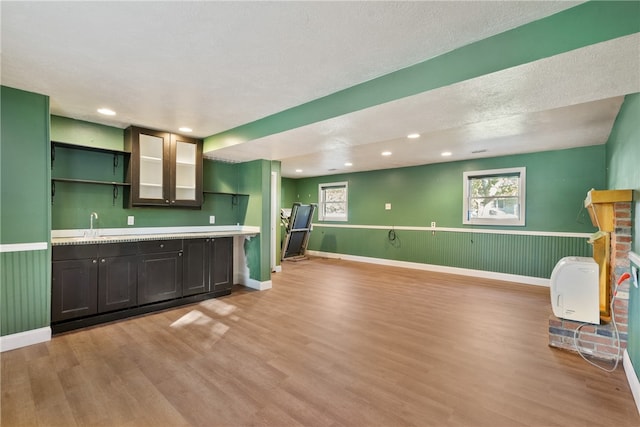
498 221
321 216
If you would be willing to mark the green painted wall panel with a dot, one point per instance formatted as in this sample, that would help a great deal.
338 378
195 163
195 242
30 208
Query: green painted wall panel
25 291
288 195
254 179
623 172
580 26
71 131
74 202
24 210
276 167
623 156
524 255
24 167
557 183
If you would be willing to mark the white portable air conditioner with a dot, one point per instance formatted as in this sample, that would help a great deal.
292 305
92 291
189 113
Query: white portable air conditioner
575 290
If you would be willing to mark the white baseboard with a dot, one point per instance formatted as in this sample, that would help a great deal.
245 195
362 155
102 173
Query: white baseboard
257 285
632 378
528 280
23 339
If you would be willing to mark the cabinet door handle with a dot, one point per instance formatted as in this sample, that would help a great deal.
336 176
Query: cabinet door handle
173 201
166 201
179 253
103 260
162 245
95 261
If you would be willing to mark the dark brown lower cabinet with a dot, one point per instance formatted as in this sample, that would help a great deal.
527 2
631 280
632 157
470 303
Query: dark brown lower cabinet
196 267
160 273
95 283
74 288
221 273
117 276
74 281
208 265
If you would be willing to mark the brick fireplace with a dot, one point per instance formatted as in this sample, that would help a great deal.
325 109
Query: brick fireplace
599 340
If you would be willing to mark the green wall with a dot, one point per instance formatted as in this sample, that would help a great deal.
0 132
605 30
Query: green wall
71 131
74 202
623 172
255 179
24 179
24 211
557 183
288 193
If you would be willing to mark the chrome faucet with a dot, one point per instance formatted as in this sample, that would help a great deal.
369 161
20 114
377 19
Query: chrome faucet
92 232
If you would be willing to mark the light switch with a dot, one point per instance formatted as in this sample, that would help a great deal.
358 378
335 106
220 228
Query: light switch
387 206
130 220
212 219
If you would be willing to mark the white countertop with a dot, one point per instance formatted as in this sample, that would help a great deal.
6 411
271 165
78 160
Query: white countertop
112 235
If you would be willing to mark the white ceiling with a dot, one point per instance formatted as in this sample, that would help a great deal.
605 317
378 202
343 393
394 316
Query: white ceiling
213 66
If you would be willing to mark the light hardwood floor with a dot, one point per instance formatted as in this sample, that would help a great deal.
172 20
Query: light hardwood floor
334 343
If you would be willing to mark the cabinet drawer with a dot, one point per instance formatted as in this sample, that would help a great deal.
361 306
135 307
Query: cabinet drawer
65 252
156 246
118 249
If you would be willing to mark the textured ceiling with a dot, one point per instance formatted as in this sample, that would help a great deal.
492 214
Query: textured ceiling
213 66
544 105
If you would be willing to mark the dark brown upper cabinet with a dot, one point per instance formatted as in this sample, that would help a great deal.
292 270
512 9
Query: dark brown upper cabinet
165 168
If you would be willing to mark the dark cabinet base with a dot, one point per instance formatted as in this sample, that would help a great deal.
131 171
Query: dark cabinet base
71 325
74 287
93 284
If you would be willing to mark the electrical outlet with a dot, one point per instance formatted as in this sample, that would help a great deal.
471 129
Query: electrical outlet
387 206
212 219
433 224
130 220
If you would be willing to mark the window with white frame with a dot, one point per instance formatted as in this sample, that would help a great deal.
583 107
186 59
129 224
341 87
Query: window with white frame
495 197
332 205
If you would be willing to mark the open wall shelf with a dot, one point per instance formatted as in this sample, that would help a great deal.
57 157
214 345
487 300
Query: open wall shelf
116 162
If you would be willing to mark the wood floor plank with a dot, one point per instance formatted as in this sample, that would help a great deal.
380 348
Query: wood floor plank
334 344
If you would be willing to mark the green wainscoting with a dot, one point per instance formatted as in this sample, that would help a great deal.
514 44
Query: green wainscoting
25 291
24 211
524 255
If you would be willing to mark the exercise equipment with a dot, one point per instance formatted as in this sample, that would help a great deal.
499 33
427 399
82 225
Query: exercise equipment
298 229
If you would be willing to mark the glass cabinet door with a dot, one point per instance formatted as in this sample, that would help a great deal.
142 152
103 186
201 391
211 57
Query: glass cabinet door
186 174
165 169
151 179
185 171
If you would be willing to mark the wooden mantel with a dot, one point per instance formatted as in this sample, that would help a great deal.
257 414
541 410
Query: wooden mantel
600 203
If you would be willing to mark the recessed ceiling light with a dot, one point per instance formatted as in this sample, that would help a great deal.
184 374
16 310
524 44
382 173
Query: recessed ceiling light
185 129
386 153
445 153
413 135
348 164
298 170
106 111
